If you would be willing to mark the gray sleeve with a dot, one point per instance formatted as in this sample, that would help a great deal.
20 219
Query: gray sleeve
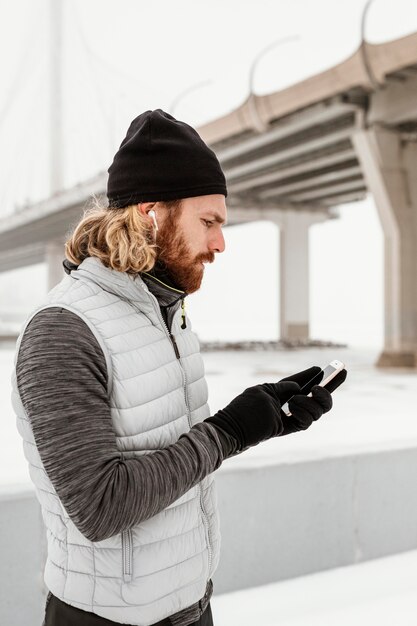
62 381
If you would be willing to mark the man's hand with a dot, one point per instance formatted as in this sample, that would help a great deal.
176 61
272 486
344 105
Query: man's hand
255 415
306 410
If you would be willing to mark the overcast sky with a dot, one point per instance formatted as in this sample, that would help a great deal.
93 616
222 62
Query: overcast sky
123 57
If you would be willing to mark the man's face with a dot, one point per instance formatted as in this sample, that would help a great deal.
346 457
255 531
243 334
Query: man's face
190 236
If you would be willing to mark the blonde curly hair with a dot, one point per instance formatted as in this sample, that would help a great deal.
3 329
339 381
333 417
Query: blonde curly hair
123 239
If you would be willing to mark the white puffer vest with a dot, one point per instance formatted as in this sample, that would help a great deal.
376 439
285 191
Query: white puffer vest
162 565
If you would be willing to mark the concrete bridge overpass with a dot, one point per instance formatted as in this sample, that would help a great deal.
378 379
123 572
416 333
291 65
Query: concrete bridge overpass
292 157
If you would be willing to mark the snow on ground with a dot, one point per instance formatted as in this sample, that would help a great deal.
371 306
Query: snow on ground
373 410
381 592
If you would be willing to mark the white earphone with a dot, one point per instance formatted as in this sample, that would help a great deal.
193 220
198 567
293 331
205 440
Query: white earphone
153 216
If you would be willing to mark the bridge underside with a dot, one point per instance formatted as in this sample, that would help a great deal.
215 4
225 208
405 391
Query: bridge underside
293 169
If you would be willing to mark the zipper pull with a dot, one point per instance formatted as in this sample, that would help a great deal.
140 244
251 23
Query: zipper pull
174 343
184 323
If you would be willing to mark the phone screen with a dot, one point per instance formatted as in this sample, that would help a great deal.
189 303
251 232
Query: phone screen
305 389
322 375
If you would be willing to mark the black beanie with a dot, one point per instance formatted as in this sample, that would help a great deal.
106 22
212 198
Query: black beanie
162 158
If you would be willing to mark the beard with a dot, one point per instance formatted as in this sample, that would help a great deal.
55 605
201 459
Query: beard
176 257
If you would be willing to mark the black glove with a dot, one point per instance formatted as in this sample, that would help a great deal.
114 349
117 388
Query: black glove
255 415
306 410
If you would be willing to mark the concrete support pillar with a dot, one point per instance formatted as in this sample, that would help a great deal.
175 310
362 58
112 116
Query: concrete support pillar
390 169
54 255
294 272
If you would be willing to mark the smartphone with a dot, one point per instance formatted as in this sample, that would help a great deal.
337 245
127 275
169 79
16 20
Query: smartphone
322 378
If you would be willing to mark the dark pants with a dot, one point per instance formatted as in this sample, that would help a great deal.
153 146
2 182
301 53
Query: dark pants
59 613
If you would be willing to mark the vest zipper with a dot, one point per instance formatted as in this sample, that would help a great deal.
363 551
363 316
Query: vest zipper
204 515
127 549
184 377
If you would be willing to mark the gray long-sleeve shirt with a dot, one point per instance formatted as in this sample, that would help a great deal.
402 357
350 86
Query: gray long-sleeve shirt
62 382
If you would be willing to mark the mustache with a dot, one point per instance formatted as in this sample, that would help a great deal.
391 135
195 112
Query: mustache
205 258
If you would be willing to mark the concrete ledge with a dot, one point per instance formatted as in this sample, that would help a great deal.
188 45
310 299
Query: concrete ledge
278 522
288 520
22 549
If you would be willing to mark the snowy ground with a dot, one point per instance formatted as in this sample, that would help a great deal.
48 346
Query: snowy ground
381 592
373 410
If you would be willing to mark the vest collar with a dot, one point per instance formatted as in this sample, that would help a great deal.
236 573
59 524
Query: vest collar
132 287
126 286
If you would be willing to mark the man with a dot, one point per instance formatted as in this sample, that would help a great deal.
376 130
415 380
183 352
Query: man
111 399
